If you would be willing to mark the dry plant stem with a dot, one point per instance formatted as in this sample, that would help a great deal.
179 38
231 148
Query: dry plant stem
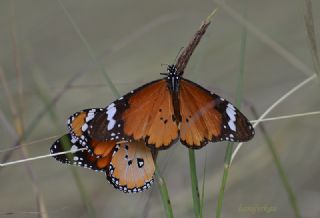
276 103
187 52
18 121
7 125
308 19
281 171
17 61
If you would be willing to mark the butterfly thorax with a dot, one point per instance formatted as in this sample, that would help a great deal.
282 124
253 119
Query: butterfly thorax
173 81
173 78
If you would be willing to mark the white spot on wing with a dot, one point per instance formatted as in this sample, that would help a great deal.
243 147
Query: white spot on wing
90 115
84 127
111 111
231 125
231 112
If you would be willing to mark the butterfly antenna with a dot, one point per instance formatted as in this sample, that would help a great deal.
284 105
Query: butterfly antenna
166 74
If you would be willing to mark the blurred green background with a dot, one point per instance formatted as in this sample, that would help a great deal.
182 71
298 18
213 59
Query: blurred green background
40 53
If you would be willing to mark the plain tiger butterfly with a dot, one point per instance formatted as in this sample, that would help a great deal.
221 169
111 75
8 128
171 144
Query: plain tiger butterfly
156 114
160 113
128 166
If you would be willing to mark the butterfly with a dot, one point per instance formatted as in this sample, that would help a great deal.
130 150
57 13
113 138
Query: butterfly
162 112
129 166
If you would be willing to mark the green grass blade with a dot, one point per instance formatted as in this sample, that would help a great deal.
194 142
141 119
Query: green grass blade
194 183
164 193
227 160
228 154
308 18
202 191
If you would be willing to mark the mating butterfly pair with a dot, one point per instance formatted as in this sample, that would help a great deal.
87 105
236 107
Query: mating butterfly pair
156 115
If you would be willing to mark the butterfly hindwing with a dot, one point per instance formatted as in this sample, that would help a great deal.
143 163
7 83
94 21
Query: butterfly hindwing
146 113
207 117
131 167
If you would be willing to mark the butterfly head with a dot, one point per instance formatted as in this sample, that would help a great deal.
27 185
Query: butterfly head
172 70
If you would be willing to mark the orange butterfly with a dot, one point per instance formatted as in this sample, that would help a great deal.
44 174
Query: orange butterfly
156 114
160 113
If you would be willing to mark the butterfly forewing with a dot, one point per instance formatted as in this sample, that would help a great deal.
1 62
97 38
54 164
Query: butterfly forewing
132 167
207 117
78 125
82 158
146 113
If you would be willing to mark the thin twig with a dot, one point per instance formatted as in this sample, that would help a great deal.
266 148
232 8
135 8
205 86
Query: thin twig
40 157
187 52
286 117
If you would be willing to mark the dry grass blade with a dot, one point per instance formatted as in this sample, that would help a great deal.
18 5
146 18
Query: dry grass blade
17 131
276 103
287 116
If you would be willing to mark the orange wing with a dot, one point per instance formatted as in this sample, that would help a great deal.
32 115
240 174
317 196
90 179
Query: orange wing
83 158
132 167
207 117
78 125
146 113
150 116
129 167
